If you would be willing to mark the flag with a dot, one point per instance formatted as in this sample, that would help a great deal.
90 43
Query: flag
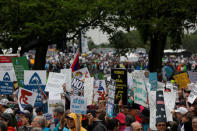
75 65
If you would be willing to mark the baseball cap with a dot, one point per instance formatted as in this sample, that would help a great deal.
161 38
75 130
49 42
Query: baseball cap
6 116
121 117
59 109
29 108
4 102
181 110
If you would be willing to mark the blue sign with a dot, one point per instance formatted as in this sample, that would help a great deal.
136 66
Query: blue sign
34 84
167 72
153 81
110 108
6 86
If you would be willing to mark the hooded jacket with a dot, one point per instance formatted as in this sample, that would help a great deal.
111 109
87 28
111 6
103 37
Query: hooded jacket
77 123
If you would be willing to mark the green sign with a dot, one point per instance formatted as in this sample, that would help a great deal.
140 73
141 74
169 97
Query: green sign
20 64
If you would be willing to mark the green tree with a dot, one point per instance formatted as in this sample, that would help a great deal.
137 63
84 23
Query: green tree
156 20
37 24
190 42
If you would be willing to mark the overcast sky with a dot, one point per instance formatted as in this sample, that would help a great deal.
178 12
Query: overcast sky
97 36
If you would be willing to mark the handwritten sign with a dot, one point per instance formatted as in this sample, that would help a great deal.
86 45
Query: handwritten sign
6 82
68 78
153 81
88 89
140 93
78 105
111 98
26 97
77 86
120 75
193 94
99 90
182 80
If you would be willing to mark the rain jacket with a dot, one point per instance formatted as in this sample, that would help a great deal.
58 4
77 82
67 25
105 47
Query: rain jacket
74 116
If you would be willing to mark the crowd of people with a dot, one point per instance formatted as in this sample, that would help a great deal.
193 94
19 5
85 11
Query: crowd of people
130 117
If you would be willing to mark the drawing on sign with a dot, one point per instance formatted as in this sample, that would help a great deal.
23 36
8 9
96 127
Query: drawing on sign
35 79
77 86
99 90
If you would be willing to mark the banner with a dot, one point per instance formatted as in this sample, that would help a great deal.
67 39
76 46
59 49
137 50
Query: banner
192 76
88 90
78 105
20 64
82 74
182 80
77 87
99 90
140 92
6 82
35 81
166 98
153 81
111 98
26 97
120 75
68 78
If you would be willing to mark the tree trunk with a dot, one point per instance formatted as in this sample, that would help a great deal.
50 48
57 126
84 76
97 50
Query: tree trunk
14 49
158 42
40 57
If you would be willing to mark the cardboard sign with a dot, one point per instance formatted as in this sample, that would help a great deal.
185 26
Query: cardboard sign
153 81
88 89
6 82
182 80
78 105
192 76
77 87
26 97
82 74
34 80
68 78
120 75
99 90
140 92
20 64
111 98
54 85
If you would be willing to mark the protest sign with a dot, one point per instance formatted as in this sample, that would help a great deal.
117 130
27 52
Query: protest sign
111 98
153 81
120 76
48 116
6 82
26 97
192 76
138 74
140 92
78 105
54 85
88 89
35 80
182 80
157 111
166 72
20 64
193 94
99 90
82 74
77 86
68 78
6 64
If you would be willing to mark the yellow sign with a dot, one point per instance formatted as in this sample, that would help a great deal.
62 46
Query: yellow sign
182 80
